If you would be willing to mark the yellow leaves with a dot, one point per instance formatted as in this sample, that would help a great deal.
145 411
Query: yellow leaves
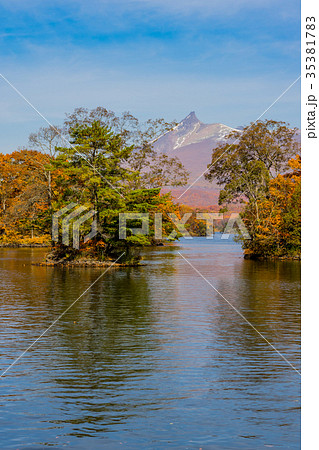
277 228
295 163
100 244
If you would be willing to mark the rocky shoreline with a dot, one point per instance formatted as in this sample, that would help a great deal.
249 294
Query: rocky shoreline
85 263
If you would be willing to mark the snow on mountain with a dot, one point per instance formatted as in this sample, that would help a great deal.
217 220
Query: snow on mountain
192 131
192 142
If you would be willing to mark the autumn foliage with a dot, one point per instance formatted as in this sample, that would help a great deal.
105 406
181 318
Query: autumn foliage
24 197
106 163
259 168
98 161
277 232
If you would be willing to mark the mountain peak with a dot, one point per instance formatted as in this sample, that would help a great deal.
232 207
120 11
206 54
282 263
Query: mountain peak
192 132
191 118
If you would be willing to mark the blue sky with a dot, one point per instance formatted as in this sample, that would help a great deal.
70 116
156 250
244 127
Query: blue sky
228 60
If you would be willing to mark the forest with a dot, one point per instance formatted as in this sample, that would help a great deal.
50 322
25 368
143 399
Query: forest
106 163
261 170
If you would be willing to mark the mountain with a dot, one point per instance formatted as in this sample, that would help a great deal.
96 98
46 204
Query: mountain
192 142
192 131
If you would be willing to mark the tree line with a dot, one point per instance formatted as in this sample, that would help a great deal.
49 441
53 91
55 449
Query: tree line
97 160
107 163
261 169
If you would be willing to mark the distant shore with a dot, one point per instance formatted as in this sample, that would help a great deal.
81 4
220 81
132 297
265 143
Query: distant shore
17 245
97 263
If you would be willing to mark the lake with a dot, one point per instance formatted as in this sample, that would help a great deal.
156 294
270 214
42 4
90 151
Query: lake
151 356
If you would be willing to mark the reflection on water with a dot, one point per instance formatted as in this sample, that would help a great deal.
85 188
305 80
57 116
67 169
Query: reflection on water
152 356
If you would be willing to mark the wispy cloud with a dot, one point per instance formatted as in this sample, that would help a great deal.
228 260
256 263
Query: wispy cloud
154 57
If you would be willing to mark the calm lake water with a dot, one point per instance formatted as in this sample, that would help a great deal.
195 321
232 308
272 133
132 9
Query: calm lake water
151 357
